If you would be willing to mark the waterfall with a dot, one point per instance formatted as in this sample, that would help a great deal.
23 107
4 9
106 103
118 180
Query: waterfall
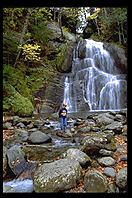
95 83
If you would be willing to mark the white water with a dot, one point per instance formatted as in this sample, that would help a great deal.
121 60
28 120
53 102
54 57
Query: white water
21 186
95 80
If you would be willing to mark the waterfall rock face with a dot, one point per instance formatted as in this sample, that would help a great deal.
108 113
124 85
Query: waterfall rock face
53 95
97 81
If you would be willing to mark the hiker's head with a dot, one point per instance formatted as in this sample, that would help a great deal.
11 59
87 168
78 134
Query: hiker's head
64 105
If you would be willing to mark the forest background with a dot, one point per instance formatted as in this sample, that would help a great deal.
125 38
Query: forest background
30 59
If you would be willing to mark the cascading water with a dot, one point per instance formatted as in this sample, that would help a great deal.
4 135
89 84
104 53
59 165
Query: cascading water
95 83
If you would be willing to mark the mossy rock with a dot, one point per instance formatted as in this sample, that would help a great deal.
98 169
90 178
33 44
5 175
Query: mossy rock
95 181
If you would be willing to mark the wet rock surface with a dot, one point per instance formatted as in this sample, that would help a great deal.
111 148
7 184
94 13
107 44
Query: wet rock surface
57 176
94 142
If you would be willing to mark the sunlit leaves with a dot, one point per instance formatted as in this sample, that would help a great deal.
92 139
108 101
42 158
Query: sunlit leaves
31 52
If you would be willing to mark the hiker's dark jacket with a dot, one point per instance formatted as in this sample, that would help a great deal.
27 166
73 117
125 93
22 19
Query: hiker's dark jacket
62 112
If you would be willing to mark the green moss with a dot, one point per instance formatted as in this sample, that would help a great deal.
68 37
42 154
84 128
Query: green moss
61 55
16 103
112 146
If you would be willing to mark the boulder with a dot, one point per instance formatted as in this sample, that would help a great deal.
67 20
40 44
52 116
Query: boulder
82 49
104 119
57 176
95 182
115 126
97 142
118 54
109 172
121 178
106 161
7 125
105 152
8 189
16 160
85 129
21 125
38 137
77 155
21 135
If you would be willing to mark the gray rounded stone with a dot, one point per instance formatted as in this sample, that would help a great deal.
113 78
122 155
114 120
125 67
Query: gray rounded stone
106 161
109 172
39 137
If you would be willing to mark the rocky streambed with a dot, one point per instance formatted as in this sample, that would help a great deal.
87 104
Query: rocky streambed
90 157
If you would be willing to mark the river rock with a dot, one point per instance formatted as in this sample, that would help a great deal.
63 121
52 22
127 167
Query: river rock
78 155
115 126
109 172
38 137
97 142
21 125
85 129
121 178
123 158
21 135
106 161
16 159
7 125
57 176
105 152
8 189
94 181
4 161
104 119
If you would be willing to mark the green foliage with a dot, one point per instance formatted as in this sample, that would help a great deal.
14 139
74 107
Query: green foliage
17 79
10 46
113 25
61 55
41 33
13 18
15 103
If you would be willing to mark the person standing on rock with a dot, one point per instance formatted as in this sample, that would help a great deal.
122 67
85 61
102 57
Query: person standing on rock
63 117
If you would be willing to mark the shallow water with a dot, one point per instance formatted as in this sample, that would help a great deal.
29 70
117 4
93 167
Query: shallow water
21 185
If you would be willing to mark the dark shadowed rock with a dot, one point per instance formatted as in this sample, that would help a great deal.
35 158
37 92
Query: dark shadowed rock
118 55
16 159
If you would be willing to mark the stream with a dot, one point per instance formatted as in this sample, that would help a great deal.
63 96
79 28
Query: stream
43 153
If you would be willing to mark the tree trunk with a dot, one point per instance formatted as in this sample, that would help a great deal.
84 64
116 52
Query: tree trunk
122 33
96 22
23 34
119 33
60 22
